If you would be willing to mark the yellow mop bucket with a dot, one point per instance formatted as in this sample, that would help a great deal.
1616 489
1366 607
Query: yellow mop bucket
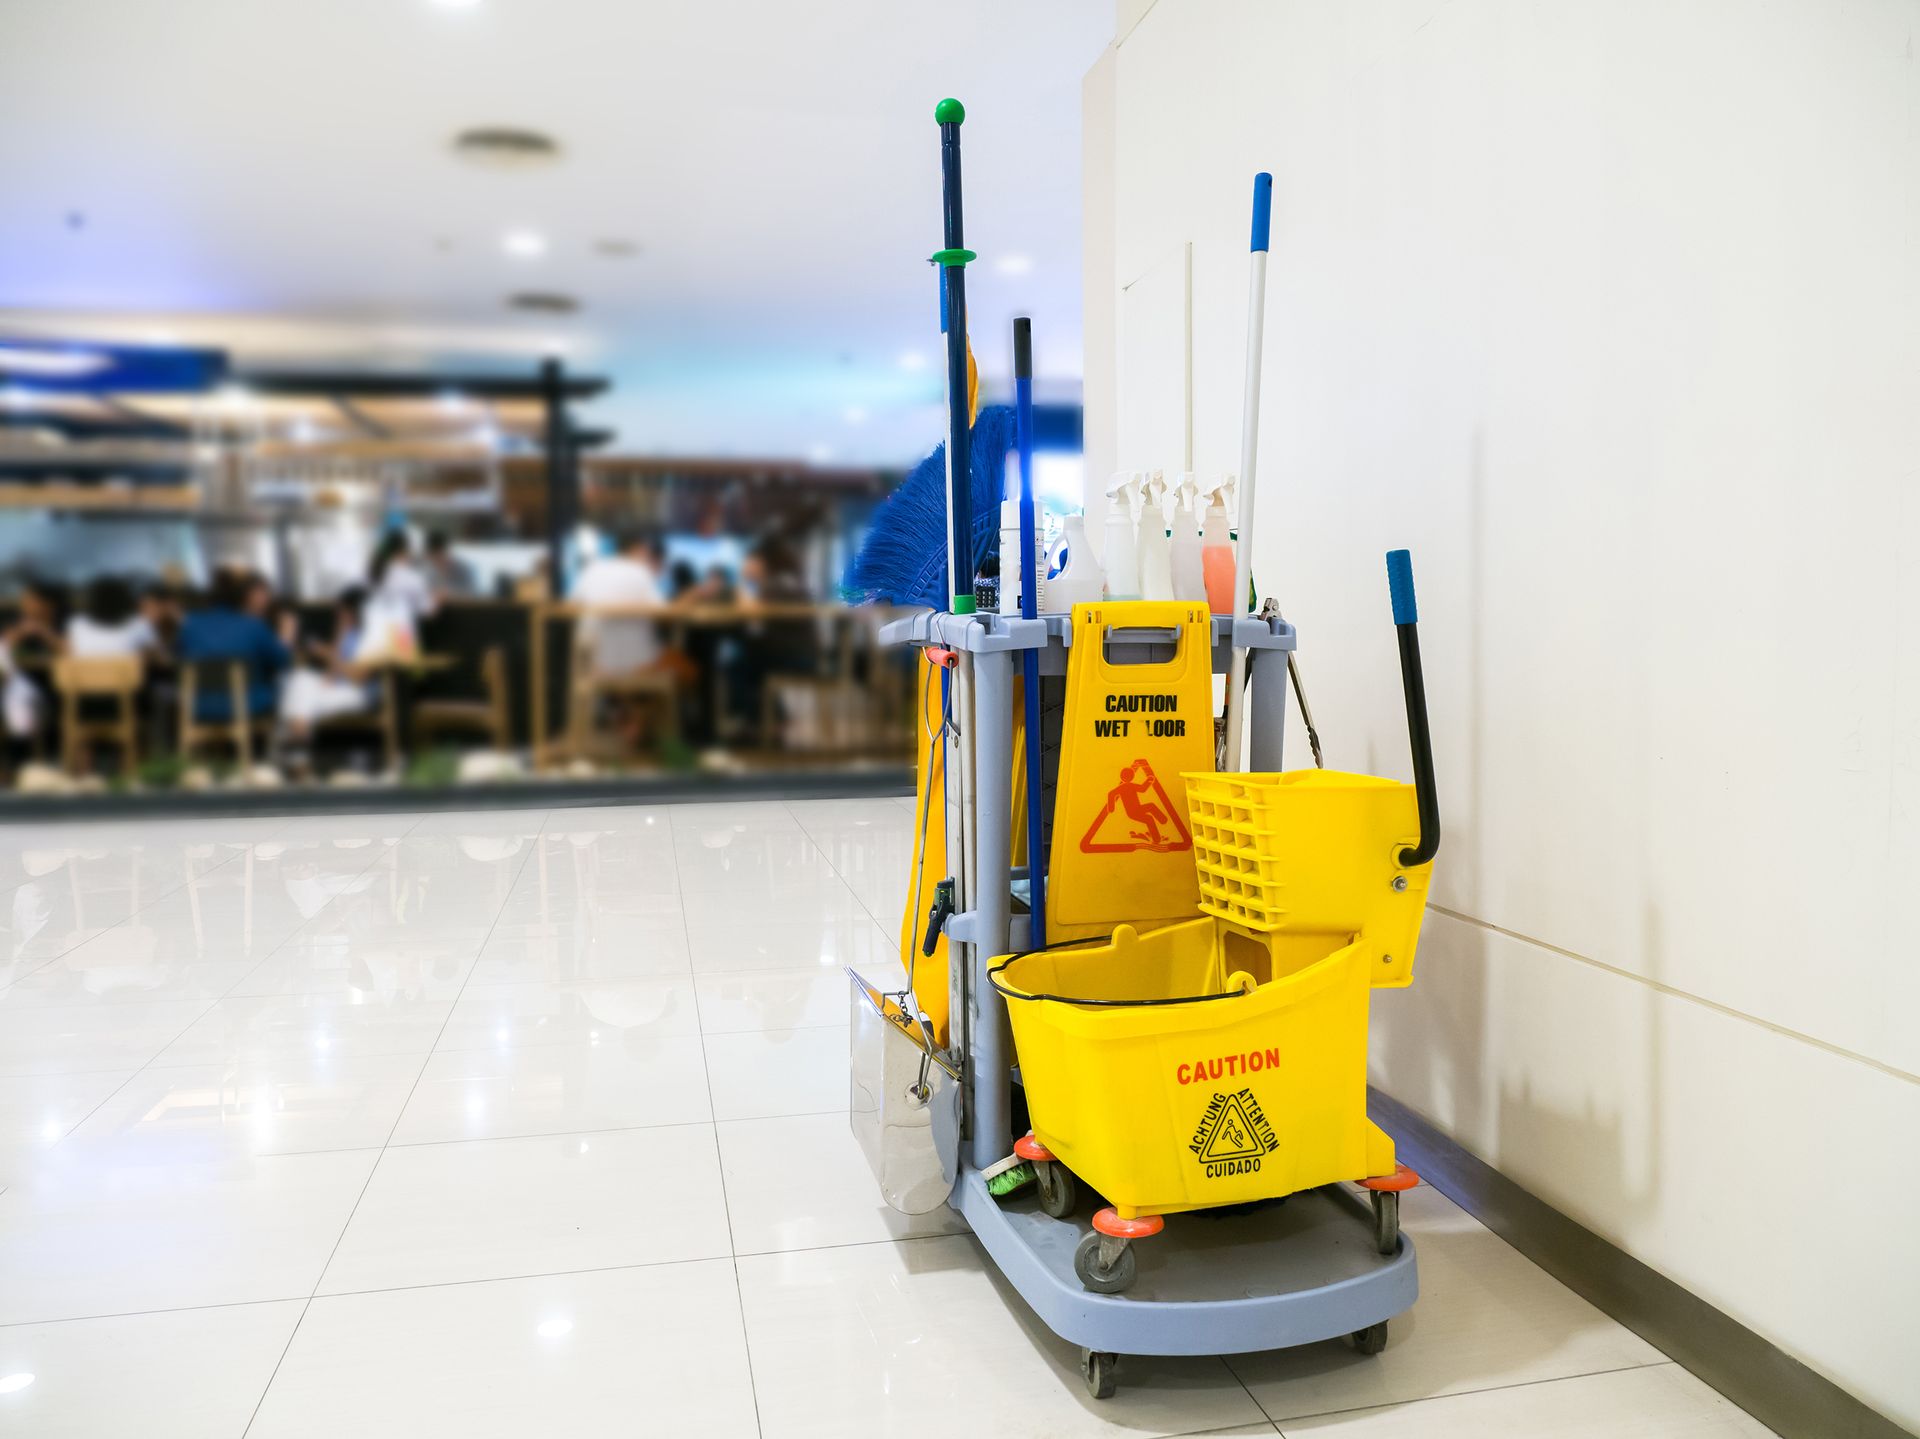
1192 1066
1313 852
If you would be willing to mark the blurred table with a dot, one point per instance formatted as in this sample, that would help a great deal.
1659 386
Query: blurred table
679 617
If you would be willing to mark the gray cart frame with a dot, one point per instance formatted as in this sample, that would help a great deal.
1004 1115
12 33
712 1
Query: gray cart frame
1213 1282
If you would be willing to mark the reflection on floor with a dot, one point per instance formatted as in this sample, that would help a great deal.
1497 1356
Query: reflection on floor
531 1123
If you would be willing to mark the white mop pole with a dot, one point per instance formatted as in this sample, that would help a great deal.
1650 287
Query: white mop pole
1249 447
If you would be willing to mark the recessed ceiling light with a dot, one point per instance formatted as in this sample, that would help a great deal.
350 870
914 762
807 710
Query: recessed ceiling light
1014 265
615 248
912 360
555 1329
524 244
506 147
854 414
14 1383
543 302
455 4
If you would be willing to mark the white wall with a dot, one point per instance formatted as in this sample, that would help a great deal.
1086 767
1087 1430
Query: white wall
1610 312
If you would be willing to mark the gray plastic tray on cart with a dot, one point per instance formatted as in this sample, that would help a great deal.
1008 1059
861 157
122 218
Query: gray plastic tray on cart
987 633
1223 1282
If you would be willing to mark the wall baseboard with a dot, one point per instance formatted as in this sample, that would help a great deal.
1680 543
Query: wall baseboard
1772 1386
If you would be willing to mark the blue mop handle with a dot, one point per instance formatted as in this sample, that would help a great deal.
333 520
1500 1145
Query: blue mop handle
1030 660
952 260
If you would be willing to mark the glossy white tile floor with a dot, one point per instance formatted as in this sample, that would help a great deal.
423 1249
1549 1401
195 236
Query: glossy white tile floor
532 1123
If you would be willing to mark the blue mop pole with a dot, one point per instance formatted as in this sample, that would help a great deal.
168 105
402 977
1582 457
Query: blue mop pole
1030 659
952 261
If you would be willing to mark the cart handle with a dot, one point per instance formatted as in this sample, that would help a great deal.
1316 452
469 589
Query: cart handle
1406 619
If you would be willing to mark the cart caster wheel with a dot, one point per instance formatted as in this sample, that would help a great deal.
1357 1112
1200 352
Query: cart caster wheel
1098 1370
1370 1340
1114 1278
1386 1221
1058 1191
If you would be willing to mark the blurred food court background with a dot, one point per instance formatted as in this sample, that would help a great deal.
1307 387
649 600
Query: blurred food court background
444 393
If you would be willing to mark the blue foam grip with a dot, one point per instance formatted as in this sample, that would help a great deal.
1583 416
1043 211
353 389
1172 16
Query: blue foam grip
1262 209
1400 585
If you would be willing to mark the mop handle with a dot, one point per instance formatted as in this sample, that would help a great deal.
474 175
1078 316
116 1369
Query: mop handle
1406 619
1249 449
952 260
1030 659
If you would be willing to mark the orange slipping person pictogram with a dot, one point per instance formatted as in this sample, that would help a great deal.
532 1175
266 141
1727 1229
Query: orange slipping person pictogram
1137 815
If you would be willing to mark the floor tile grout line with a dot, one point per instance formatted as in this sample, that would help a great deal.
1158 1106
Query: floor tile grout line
124 920
719 1156
205 1010
822 850
492 1279
1661 1363
319 1279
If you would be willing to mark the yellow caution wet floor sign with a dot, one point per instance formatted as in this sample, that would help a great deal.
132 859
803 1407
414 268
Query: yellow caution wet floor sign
1122 844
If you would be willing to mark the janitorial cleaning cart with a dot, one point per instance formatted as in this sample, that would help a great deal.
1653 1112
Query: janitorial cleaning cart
1131 1050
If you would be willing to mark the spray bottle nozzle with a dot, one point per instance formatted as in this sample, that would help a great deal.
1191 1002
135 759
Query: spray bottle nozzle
1221 492
1125 487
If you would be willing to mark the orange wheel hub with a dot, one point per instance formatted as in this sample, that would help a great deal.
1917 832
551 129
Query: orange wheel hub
1112 1225
1400 1180
1032 1150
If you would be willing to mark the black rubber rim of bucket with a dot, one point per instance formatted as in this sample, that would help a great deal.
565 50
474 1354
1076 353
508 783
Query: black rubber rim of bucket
993 978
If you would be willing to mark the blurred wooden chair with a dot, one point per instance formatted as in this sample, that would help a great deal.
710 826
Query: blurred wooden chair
238 731
655 691
111 681
381 723
486 713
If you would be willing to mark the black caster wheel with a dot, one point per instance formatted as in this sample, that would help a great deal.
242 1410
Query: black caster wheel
1098 1370
1370 1340
1100 1278
1058 1191
1386 1221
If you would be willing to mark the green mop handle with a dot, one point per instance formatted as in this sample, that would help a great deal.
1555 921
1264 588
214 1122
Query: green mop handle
952 260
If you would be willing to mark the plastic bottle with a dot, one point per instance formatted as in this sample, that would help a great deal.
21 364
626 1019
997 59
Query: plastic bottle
1123 549
1079 581
1010 557
1153 546
1189 575
1216 550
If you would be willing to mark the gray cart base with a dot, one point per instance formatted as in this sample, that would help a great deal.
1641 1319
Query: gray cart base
1278 1276
1211 1282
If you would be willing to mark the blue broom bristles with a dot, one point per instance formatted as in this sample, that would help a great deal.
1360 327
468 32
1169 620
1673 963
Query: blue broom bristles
903 558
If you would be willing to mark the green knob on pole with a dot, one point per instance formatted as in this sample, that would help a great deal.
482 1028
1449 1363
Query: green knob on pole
949 112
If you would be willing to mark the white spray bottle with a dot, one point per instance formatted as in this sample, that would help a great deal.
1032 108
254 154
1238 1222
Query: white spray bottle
1123 549
1216 550
1189 576
1155 550
1079 581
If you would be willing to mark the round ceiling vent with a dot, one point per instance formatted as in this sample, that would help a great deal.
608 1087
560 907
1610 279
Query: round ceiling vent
543 302
503 147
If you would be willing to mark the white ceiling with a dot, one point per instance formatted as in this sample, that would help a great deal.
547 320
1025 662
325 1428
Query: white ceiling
276 175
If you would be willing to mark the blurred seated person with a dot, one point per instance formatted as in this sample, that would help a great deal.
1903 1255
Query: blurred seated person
110 623
399 597
769 576
625 645
621 644
333 683
160 608
233 627
28 648
449 576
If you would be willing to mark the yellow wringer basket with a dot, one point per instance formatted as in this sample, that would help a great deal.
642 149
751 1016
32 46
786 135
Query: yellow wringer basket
1223 1059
